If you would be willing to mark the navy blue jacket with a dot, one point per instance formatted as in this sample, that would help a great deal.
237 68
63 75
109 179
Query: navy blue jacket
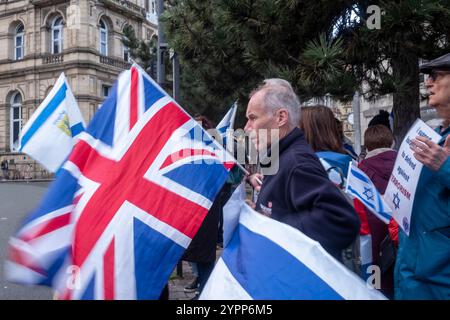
301 195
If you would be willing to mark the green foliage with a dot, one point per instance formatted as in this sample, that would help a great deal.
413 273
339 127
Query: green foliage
143 52
227 47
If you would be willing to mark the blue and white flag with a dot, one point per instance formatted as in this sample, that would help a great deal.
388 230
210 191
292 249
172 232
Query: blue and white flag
48 136
267 259
361 187
227 123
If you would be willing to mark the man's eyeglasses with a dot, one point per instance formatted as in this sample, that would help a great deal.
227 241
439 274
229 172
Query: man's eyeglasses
434 74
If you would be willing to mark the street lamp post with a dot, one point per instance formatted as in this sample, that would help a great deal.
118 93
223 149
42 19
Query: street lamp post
357 122
162 46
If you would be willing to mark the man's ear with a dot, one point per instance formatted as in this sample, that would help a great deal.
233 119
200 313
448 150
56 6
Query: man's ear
282 117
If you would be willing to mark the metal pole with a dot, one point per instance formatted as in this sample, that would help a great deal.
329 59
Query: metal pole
176 77
357 122
162 46
176 96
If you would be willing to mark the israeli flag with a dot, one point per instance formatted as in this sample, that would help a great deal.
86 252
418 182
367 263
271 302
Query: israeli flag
270 260
48 136
361 187
227 123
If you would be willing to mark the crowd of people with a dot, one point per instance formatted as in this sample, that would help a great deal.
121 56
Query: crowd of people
307 190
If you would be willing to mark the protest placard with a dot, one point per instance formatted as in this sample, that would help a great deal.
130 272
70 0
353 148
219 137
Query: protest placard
401 189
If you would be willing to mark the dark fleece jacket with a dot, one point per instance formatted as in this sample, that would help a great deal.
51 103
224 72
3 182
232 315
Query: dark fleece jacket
301 195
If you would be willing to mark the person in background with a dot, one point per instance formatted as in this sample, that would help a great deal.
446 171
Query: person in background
381 118
378 165
322 133
5 170
202 249
422 270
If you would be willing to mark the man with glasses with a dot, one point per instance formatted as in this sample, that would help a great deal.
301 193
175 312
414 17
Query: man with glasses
423 264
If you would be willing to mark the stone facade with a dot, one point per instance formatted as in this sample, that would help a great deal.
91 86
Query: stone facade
33 54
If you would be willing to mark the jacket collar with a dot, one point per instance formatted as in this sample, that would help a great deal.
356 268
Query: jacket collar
283 144
292 136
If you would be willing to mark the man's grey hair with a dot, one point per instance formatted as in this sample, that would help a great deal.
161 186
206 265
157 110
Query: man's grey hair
278 93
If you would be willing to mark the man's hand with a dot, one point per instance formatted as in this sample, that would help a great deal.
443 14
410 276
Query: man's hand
250 203
256 180
429 153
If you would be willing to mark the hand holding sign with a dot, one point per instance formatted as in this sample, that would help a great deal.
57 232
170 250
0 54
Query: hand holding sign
429 153
418 148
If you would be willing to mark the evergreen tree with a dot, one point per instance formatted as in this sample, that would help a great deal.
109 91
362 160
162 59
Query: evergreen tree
322 47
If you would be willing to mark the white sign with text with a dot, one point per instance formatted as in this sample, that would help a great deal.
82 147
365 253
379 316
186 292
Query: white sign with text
401 189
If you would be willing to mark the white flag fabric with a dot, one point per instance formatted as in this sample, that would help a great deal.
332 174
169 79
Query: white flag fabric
401 189
267 259
48 136
361 187
231 211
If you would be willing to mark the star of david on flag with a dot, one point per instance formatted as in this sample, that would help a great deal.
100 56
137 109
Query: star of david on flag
126 203
368 193
359 186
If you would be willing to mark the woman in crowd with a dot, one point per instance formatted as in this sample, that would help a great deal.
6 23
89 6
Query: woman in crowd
322 133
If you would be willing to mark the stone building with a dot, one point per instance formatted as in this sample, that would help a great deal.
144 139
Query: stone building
39 39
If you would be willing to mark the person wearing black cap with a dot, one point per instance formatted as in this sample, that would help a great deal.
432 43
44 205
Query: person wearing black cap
381 118
422 270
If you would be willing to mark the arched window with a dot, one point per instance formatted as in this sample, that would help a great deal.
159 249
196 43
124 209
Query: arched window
103 38
15 120
19 42
57 35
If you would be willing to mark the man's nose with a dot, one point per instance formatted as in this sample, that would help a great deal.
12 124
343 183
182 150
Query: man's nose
247 127
429 82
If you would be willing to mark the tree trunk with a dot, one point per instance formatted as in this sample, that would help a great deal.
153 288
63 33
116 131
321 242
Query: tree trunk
406 107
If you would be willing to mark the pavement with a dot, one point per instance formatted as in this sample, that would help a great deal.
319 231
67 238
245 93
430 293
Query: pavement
17 200
177 284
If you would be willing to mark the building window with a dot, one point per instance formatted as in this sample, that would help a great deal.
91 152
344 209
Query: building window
57 35
15 120
19 42
152 5
126 53
103 38
105 91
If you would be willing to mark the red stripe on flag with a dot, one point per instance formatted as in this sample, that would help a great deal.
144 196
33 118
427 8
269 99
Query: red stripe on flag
229 165
185 153
90 162
47 227
134 97
18 256
108 272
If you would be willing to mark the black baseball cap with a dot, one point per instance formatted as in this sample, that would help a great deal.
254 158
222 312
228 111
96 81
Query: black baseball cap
441 63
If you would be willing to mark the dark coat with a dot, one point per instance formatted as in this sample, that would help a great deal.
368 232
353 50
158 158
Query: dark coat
301 195
203 246
379 168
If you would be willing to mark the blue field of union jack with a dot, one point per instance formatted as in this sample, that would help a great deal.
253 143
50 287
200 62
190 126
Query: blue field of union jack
126 203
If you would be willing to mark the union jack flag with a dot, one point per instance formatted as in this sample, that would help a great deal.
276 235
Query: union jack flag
126 203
